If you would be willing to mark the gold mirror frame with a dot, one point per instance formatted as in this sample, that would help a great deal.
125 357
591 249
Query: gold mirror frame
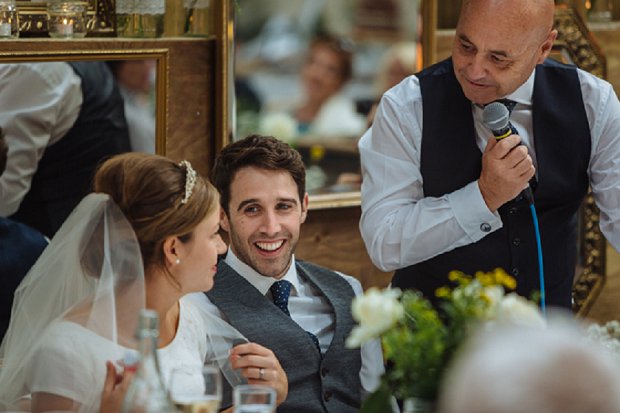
38 54
576 45
225 98
33 18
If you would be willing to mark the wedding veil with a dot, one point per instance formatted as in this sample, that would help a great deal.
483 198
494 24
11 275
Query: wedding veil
93 256
78 306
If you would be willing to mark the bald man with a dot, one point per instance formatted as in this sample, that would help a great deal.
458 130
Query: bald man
499 371
439 192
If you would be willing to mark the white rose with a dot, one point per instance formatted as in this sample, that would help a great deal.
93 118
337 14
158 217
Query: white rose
517 310
280 125
376 312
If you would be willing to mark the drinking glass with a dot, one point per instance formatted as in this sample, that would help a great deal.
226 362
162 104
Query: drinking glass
254 398
196 389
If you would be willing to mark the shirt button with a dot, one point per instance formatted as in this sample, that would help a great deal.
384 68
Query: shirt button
512 211
516 242
324 371
515 271
327 396
485 227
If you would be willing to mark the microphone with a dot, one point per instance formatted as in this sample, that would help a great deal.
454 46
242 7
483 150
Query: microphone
496 117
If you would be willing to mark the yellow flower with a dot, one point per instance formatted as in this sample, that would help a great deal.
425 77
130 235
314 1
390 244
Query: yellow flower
443 292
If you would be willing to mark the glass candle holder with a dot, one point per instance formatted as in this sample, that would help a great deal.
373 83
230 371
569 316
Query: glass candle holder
9 21
67 19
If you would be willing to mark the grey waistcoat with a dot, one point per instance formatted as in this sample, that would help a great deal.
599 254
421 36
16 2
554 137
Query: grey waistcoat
327 383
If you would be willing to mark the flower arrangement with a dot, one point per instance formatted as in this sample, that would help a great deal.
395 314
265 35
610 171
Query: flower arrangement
607 335
419 341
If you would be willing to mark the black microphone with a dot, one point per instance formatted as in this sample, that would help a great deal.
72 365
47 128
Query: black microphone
496 117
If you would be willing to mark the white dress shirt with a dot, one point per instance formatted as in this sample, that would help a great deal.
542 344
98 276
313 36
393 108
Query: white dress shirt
39 103
311 310
402 227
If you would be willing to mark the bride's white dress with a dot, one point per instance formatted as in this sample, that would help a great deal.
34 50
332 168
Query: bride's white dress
71 362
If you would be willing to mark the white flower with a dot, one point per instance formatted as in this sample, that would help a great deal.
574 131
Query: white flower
280 125
607 336
517 310
376 312
495 294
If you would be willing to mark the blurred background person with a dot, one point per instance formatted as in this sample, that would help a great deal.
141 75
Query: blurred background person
58 130
20 246
136 81
524 370
324 109
401 60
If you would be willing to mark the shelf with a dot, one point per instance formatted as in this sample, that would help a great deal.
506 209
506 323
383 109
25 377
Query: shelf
44 48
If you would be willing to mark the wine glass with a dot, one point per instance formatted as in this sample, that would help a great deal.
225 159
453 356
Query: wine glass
254 398
196 389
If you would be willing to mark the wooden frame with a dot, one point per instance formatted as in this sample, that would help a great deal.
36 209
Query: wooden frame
225 76
576 45
42 54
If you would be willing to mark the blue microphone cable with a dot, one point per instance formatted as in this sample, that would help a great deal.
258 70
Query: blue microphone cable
496 117
541 271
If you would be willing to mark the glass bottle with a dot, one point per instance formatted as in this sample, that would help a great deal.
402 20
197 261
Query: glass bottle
201 16
150 17
125 11
9 20
147 393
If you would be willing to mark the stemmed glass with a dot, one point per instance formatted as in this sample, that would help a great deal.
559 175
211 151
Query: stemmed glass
196 389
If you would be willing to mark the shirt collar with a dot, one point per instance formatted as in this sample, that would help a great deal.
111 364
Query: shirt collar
523 94
260 282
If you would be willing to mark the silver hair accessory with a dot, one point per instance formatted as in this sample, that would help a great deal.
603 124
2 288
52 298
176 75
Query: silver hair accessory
190 180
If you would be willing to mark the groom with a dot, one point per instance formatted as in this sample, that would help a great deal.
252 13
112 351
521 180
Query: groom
301 311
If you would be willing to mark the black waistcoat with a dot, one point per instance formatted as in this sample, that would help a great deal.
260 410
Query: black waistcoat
317 383
65 172
450 159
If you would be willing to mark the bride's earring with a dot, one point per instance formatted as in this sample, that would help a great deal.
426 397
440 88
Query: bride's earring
178 261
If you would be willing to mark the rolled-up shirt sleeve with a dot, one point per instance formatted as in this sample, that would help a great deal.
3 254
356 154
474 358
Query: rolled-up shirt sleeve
400 226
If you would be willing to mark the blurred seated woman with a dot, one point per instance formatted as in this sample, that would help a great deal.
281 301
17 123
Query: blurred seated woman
325 110
147 238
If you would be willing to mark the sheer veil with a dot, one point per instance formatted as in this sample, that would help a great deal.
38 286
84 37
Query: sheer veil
78 306
85 277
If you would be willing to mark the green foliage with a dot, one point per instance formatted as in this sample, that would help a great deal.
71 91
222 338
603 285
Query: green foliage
420 345
416 349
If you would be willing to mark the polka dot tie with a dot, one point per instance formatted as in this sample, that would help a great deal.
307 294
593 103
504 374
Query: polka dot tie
280 291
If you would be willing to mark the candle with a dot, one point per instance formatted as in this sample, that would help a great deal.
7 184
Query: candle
65 27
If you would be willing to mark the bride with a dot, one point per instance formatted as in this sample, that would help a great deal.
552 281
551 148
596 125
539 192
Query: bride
147 238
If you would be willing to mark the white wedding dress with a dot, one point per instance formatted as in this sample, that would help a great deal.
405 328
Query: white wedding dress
71 362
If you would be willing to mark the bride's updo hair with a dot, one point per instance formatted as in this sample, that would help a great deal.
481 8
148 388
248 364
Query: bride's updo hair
150 190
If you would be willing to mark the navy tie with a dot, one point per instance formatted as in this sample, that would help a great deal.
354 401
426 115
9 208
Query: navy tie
280 291
510 104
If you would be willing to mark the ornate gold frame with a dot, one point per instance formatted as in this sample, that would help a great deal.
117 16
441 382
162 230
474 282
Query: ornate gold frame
225 94
576 45
159 55
33 18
